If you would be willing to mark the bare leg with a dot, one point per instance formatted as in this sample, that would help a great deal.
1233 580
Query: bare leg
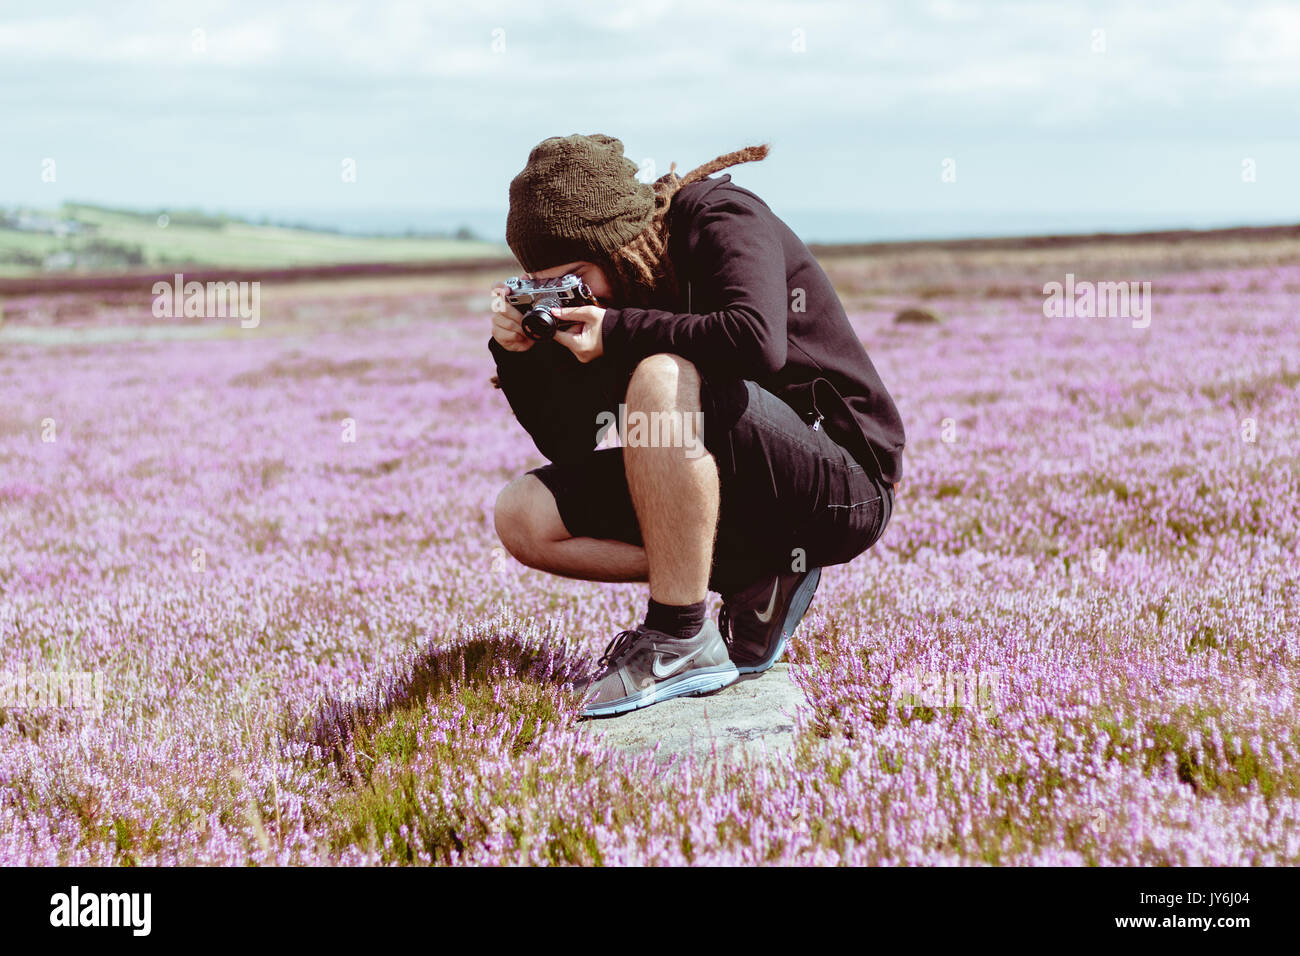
675 496
528 524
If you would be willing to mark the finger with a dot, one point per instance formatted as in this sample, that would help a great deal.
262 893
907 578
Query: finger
574 344
572 340
507 324
506 335
511 341
570 314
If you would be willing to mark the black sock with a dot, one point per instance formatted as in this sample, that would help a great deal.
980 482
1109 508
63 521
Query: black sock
684 620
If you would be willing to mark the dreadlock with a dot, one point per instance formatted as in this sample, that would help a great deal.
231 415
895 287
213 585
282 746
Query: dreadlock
642 266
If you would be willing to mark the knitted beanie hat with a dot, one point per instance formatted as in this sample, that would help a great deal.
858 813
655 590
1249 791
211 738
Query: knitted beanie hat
577 198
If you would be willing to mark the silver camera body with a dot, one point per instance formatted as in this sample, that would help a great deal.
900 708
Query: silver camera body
537 299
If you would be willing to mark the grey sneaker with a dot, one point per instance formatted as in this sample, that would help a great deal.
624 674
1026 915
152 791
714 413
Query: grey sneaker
757 622
643 666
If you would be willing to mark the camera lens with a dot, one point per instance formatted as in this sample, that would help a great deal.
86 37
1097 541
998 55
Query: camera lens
539 325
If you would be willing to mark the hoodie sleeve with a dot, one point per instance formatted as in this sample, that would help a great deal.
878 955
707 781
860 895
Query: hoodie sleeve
736 269
556 398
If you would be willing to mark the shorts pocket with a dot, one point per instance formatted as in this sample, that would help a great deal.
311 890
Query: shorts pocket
853 511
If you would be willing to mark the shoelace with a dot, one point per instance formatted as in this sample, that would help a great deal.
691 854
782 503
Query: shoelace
622 642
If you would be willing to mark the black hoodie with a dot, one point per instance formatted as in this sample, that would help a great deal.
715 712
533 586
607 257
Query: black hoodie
753 304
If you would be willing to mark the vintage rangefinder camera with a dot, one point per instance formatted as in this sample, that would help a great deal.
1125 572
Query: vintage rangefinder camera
537 299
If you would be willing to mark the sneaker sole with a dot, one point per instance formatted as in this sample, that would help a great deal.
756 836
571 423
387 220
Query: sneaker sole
799 603
702 681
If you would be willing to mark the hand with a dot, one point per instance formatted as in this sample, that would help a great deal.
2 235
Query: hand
507 322
586 343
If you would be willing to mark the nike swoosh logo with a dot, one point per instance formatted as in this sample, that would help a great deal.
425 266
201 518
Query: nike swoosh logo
766 616
661 672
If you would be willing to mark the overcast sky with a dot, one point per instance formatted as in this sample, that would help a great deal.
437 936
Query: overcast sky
438 103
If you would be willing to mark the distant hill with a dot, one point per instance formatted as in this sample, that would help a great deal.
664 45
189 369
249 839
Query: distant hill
85 237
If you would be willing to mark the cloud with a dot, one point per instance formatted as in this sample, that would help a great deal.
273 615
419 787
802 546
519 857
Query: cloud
274 94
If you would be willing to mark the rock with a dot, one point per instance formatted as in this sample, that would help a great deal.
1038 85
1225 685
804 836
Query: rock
917 316
755 714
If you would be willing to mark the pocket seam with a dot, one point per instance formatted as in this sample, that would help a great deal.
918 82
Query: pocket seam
856 504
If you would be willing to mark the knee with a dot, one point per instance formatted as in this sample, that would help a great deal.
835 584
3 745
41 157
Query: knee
663 379
521 520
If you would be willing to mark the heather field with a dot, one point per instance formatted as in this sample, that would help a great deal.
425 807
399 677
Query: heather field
275 546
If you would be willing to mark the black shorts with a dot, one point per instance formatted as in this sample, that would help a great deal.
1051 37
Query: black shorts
790 496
